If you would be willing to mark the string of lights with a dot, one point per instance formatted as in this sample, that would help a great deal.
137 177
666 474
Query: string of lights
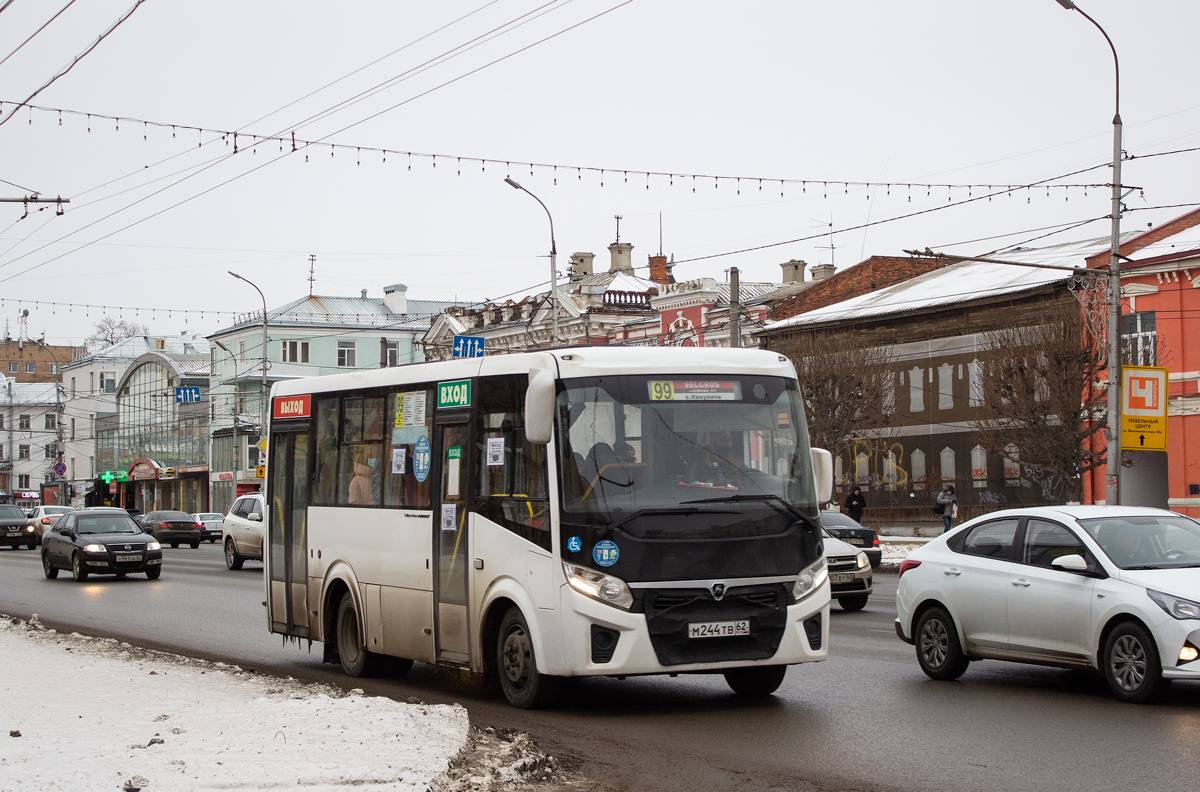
240 142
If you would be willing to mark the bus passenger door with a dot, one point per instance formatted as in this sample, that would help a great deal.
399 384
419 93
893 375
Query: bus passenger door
287 521
452 543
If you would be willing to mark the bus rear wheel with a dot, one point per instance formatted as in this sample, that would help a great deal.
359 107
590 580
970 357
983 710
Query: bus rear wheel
756 680
355 659
516 664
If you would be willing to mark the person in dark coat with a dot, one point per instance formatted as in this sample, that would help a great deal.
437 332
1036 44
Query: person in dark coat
855 503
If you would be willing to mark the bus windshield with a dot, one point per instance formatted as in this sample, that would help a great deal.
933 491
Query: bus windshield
732 448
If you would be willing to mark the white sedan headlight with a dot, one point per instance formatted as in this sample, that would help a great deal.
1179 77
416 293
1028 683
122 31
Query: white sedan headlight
810 579
1175 606
93 548
862 560
599 586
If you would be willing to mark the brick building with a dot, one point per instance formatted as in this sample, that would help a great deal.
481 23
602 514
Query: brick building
28 360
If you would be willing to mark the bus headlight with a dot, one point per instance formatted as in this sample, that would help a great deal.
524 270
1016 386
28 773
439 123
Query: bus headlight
599 586
810 579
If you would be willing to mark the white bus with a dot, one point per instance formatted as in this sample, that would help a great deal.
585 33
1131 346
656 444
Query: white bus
574 512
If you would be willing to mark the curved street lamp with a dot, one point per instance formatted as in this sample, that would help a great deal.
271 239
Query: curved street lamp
553 268
1112 478
265 398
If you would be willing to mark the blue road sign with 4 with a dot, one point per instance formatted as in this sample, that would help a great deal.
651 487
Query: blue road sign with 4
468 346
188 395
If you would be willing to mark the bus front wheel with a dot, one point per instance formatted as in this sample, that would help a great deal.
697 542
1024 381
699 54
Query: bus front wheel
355 659
516 664
756 680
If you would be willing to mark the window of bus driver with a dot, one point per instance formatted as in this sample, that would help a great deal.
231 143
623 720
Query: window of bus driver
511 484
648 460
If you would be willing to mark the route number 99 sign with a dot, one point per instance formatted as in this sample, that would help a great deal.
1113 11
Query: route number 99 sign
695 390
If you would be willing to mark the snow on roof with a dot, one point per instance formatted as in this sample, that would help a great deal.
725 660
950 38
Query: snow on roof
30 393
961 282
134 347
345 312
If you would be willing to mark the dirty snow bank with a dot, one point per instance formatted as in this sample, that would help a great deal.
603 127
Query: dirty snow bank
85 713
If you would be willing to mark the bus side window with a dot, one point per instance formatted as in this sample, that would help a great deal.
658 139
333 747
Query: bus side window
511 484
407 421
325 489
360 463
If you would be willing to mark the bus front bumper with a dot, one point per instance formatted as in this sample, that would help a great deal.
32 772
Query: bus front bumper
601 640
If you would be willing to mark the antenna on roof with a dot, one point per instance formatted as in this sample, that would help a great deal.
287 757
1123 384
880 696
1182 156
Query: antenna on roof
312 266
830 247
660 232
618 227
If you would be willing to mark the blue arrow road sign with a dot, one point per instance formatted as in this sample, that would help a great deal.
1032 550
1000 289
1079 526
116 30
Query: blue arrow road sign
189 395
468 346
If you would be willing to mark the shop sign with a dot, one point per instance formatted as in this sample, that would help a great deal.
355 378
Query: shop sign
114 475
29 495
292 406
224 476
166 474
192 469
143 471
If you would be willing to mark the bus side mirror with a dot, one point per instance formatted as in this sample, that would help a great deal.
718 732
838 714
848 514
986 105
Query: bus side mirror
822 462
539 406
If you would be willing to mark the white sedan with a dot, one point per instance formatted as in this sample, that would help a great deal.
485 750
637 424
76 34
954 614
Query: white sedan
1112 588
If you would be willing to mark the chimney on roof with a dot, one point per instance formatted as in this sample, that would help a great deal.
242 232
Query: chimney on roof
395 298
822 271
364 294
581 266
622 257
659 271
793 271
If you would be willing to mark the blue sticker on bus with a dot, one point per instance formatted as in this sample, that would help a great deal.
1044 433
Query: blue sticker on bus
421 458
606 553
574 544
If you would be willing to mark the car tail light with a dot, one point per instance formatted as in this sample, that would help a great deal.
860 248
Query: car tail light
907 565
875 541
164 525
198 525
45 521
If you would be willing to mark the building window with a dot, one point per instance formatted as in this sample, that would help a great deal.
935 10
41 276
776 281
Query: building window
947 458
241 350
295 351
12 368
917 460
23 481
1 420
393 354
975 383
979 467
72 428
72 387
53 368
49 450
160 344
1138 339
23 451
1012 465
347 354
889 393
108 382
862 470
23 422
51 421
30 368
916 390
945 386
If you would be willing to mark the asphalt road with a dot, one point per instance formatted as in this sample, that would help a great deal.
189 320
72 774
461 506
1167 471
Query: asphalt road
866 719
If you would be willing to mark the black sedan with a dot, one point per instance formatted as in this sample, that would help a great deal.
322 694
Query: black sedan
15 528
852 533
172 527
100 541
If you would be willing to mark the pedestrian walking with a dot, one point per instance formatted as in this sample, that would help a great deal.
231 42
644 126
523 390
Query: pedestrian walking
947 506
855 503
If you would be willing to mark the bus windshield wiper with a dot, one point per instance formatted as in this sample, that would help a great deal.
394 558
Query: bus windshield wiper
773 499
643 512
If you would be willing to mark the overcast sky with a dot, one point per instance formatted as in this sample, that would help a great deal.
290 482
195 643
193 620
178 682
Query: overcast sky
881 91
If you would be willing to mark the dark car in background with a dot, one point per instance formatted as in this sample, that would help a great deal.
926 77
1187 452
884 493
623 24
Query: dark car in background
172 527
852 533
15 528
100 541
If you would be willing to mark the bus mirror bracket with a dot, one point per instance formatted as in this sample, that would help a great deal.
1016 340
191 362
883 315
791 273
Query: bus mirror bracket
539 406
822 462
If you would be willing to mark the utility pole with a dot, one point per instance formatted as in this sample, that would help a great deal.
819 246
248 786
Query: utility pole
312 270
735 324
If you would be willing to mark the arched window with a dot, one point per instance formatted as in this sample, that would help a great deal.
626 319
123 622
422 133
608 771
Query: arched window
947 461
979 467
917 458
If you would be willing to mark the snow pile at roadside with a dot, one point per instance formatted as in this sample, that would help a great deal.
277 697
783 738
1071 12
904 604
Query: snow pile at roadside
894 552
85 713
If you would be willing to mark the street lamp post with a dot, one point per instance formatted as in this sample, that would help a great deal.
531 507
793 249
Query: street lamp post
1112 479
553 267
265 398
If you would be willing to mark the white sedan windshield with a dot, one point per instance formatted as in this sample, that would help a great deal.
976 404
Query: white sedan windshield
1147 541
